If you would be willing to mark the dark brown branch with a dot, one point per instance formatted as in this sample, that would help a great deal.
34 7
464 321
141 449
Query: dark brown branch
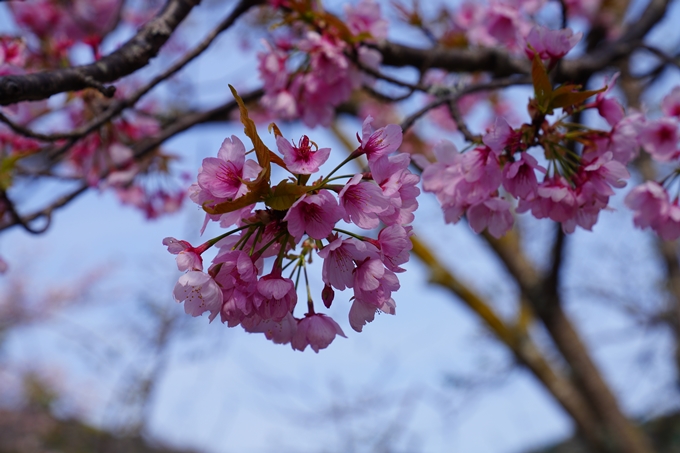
9 205
119 105
131 56
45 212
501 64
457 117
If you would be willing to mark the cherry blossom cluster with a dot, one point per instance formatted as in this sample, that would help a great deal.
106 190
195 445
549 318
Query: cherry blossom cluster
309 70
103 158
256 276
554 182
656 204
59 25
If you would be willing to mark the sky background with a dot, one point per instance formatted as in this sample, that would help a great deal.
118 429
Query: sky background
429 379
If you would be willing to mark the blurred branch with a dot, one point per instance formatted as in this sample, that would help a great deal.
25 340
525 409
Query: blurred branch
519 343
501 64
544 297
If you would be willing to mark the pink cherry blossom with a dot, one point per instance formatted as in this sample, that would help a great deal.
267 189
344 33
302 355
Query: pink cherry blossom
200 293
222 177
554 199
399 187
609 108
281 332
660 138
328 82
604 173
314 214
187 256
374 286
501 136
376 144
365 17
339 258
519 177
395 244
317 331
363 202
651 204
368 273
550 44
669 227
670 105
492 214
275 297
237 276
361 312
301 159
625 138
492 25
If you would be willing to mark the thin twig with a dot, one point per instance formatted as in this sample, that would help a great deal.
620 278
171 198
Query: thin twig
455 96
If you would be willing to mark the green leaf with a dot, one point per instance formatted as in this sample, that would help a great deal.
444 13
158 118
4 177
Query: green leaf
285 194
7 170
542 85
571 98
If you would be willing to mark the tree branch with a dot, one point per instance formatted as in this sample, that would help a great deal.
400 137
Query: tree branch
501 64
131 56
520 344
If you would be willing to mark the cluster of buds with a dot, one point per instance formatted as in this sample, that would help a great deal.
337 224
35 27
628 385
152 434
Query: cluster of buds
575 186
299 220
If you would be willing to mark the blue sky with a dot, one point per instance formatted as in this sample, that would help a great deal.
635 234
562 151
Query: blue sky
432 366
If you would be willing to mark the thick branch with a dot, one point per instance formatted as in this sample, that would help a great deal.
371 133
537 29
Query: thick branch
133 55
544 297
520 344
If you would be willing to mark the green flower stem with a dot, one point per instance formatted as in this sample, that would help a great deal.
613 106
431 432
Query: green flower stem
342 164
361 238
209 243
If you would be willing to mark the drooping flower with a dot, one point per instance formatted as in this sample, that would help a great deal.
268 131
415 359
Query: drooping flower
363 202
339 258
519 177
492 214
395 244
200 293
187 256
275 297
280 332
314 214
361 312
317 331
